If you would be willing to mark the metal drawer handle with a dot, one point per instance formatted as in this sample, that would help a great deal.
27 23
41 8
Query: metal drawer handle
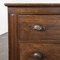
39 27
37 55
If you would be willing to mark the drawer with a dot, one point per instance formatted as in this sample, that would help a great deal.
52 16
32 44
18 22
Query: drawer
36 51
35 10
38 27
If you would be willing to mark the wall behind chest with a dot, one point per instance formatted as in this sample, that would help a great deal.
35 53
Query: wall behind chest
3 17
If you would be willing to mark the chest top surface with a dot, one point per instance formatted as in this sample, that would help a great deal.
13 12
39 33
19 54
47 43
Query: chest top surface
33 4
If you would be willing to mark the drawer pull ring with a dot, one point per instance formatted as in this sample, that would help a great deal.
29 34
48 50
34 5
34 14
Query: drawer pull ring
39 27
37 55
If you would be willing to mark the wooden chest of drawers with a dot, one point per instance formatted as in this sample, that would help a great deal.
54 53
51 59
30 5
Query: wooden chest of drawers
34 31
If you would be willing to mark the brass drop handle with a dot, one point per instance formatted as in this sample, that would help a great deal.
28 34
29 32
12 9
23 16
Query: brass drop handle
39 27
37 55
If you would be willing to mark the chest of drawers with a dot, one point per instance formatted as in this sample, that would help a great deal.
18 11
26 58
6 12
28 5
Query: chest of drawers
34 31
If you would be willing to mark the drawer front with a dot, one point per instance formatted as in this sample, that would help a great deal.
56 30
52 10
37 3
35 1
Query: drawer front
35 10
36 51
38 27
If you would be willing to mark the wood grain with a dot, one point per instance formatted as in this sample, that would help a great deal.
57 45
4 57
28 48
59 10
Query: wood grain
51 51
32 4
27 33
34 10
21 18
12 36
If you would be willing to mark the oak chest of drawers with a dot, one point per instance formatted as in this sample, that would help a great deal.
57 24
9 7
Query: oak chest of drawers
34 31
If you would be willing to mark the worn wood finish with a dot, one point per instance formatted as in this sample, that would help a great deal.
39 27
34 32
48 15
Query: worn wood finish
35 10
50 22
50 51
23 39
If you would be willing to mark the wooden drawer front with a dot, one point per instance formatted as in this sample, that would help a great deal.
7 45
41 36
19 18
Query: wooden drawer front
29 51
50 30
35 10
